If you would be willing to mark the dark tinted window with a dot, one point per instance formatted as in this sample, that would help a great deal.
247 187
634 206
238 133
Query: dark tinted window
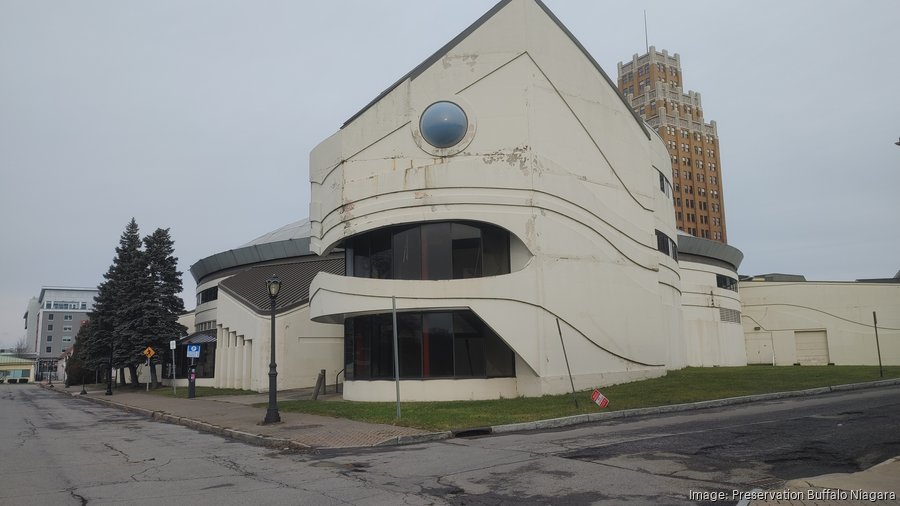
728 283
436 344
433 251
407 254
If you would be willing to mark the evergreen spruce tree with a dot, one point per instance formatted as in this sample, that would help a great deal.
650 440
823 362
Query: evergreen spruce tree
95 340
136 306
132 310
165 304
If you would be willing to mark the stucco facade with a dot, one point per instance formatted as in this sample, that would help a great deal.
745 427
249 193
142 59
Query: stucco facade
711 302
551 155
302 347
527 238
821 322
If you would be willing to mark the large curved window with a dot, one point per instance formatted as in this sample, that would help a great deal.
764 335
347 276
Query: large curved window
442 250
454 344
208 295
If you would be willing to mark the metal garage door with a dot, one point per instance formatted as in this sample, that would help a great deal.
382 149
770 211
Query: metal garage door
759 348
812 347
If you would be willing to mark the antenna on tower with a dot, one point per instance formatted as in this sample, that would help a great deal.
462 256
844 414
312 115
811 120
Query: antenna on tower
646 38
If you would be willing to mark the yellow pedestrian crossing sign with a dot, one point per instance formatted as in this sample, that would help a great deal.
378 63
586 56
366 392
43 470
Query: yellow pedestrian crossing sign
149 352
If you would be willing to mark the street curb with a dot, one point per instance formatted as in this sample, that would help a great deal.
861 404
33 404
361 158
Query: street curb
414 439
553 423
246 437
676 408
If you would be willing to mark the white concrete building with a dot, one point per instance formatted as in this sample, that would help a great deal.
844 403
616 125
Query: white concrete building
231 322
519 215
821 322
519 211
711 302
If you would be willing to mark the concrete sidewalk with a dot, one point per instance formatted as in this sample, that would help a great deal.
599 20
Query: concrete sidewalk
234 416
879 484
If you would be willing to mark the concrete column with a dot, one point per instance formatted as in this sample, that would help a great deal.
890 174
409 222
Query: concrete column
248 354
220 350
226 363
239 362
232 337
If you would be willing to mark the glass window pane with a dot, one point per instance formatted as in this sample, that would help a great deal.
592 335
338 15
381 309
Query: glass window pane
362 358
498 357
408 254
437 345
468 345
348 259
469 353
466 244
361 265
436 251
383 347
496 251
409 338
349 348
380 259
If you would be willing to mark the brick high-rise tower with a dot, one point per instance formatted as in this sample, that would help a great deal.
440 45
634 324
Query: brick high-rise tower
652 83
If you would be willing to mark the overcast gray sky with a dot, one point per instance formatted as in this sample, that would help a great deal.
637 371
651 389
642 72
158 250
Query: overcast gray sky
200 115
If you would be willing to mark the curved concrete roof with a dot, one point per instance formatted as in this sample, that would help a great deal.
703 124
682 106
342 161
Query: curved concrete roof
296 230
291 240
708 251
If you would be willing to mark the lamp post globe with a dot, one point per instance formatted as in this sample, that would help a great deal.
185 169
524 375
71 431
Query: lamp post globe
273 286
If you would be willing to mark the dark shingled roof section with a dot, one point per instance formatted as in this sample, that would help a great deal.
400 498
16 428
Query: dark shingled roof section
249 286
204 336
468 31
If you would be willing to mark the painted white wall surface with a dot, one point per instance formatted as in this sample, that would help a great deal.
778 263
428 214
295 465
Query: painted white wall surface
554 156
207 311
779 312
302 347
710 340
187 319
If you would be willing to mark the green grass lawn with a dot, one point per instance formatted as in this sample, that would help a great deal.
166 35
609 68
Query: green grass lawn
687 385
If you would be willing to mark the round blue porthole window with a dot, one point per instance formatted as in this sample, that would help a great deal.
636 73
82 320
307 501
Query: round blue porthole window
443 124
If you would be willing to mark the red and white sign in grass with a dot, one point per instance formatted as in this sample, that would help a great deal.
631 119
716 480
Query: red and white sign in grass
599 398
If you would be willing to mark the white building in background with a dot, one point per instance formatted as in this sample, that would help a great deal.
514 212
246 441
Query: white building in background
803 322
231 322
55 321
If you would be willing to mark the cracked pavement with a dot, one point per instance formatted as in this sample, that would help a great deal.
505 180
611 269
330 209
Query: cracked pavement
59 450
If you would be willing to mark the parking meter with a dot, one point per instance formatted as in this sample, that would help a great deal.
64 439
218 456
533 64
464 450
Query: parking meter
192 381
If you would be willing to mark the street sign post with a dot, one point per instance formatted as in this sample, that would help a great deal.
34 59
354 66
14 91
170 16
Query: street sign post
172 347
149 354
193 351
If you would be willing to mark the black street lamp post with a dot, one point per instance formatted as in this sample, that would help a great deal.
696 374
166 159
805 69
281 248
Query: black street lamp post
109 376
273 284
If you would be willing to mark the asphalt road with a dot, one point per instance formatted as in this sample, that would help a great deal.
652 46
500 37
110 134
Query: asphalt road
58 449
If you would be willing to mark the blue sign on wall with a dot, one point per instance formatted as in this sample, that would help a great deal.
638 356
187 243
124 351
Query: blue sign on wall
193 351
